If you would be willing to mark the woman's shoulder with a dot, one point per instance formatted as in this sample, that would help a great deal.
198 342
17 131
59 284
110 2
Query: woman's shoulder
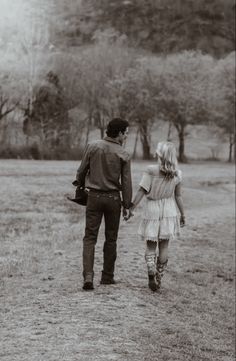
153 169
179 172
179 175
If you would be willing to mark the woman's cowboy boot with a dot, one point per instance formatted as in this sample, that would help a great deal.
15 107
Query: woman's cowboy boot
151 266
160 268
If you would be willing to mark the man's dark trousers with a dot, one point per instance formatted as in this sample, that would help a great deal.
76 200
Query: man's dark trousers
107 204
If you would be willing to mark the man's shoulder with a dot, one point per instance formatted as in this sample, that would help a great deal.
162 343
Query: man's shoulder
118 149
110 147
95 144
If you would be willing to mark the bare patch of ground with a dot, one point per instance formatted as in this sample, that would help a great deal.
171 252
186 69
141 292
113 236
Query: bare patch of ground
46 316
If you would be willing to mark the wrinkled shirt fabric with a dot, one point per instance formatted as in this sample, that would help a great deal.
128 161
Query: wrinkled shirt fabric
106 167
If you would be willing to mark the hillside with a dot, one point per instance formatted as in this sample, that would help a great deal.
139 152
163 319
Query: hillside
157 26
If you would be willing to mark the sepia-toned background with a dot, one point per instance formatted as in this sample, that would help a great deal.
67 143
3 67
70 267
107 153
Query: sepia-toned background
66 68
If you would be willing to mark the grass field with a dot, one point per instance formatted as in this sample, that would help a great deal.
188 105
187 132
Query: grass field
45 315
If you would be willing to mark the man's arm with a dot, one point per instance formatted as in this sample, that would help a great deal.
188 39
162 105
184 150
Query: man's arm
126 184
83 168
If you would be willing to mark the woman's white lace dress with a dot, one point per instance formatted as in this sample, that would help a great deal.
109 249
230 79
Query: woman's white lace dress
160 217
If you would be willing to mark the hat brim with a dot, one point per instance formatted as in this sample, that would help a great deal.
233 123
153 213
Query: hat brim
80 201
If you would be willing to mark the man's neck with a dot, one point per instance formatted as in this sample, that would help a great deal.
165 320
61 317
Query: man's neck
115 140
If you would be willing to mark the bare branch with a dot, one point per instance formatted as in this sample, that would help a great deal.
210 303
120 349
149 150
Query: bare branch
8 110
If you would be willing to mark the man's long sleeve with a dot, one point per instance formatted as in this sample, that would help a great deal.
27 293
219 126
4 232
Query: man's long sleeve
126 184
83 168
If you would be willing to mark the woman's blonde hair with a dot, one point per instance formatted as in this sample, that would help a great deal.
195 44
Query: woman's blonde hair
167 153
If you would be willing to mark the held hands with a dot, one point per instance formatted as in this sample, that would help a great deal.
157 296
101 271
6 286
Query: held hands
127 213
182 221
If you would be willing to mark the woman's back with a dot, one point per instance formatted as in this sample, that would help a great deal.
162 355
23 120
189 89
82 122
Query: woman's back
157 184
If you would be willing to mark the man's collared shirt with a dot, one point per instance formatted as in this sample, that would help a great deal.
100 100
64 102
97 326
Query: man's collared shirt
105 166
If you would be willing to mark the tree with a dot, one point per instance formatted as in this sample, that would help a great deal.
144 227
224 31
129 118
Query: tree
223 97
9 95
134 97
7 105
49 115
32 49
182 90
98 67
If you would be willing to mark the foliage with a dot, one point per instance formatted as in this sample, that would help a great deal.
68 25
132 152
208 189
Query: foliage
34 152
134 97
9 99
5 104
48 115
182 90
98 67
159 26
113 74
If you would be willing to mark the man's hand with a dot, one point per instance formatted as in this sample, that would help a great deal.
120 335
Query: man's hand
127 213
182 221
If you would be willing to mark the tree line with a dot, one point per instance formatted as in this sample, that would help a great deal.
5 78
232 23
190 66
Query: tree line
71 93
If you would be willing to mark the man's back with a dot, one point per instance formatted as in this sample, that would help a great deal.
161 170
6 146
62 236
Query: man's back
107 158
106 167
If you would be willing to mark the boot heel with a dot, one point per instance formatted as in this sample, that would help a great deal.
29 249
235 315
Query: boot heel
88 286
152 283
88 282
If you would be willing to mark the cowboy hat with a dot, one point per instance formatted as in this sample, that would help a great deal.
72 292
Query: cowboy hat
81 196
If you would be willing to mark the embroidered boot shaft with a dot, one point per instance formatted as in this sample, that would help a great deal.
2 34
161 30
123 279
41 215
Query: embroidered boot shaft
151 263
160 268
151 267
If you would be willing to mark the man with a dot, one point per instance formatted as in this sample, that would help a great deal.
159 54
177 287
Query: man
105 171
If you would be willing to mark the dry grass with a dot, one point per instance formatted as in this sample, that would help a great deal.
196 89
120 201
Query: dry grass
46 316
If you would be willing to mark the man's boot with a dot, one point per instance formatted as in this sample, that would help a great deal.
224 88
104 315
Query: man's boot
151 266
160 268
88 282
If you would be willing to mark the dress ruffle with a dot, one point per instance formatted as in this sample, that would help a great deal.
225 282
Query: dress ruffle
154 230
160 220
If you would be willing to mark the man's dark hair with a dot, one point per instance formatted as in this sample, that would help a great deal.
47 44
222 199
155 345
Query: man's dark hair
115 126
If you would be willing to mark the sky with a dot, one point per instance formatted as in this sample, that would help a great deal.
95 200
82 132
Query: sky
12 14
17 18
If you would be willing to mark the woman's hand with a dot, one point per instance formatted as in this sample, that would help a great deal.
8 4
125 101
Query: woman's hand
182 220
129 214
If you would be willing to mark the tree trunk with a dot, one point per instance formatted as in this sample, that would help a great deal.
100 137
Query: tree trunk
135 143
102 132
3 132
99 122
169 131
231 144
182 156
144 136
88 129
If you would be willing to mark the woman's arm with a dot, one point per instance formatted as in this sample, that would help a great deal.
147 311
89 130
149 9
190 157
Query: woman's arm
180 204
137 199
